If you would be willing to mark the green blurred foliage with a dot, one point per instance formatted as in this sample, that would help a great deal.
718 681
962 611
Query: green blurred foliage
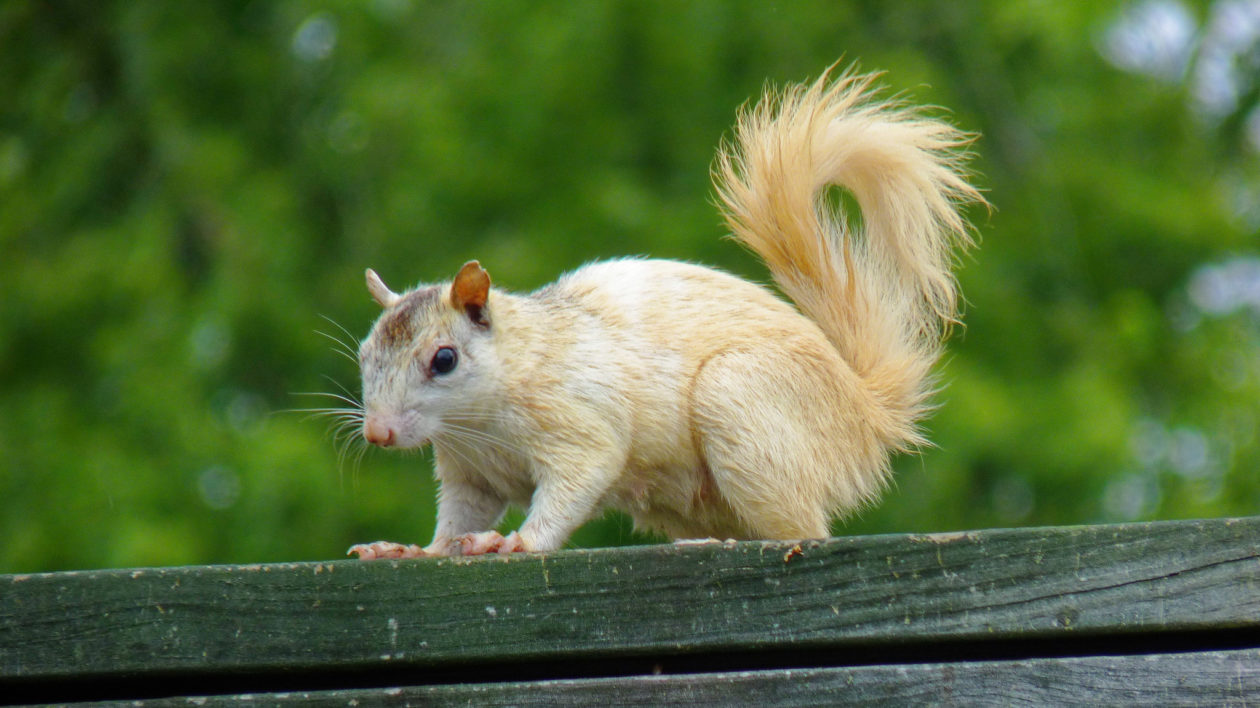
188 189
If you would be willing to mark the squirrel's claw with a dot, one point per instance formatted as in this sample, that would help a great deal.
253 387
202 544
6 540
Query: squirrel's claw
474 544
386 549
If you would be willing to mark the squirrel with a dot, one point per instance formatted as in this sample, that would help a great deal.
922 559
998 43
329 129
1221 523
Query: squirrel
699 403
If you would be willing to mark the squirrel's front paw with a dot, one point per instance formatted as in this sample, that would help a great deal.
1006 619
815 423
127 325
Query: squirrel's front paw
475 544
386 549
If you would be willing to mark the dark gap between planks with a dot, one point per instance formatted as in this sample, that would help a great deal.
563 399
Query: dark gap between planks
156 685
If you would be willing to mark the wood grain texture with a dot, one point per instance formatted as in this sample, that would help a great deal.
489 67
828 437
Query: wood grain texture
1063 584
1207 679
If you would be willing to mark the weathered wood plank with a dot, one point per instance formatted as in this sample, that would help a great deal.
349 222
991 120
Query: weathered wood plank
1208 678
1049 583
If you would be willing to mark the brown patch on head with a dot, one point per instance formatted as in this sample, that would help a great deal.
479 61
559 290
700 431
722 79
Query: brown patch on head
399 325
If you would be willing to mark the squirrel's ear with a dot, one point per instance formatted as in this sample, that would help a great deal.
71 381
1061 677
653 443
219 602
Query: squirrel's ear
380 293
471 290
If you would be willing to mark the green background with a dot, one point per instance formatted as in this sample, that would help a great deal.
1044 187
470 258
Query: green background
188 189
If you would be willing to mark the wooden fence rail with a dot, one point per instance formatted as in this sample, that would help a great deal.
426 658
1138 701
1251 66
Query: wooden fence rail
1165 612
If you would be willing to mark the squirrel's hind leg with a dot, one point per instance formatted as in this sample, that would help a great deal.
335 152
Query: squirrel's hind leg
778 436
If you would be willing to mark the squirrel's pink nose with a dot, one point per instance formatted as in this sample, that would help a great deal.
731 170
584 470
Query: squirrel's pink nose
377 433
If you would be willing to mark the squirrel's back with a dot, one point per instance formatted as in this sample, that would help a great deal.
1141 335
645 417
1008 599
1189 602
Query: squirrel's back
672 301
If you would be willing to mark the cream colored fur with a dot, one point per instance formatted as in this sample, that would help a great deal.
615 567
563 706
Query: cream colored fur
698 403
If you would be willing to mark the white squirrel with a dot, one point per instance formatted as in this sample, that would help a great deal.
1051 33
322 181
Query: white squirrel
700 404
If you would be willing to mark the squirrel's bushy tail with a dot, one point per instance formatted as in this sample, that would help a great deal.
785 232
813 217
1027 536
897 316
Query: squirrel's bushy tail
883 292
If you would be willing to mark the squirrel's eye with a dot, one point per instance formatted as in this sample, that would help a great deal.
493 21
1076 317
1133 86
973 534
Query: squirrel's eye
444 360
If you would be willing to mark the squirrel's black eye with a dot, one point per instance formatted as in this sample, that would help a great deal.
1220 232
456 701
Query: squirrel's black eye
444 360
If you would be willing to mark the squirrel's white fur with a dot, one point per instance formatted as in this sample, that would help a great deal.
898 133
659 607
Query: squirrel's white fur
698 403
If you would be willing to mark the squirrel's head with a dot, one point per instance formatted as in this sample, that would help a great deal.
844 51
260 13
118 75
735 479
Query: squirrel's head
426 358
